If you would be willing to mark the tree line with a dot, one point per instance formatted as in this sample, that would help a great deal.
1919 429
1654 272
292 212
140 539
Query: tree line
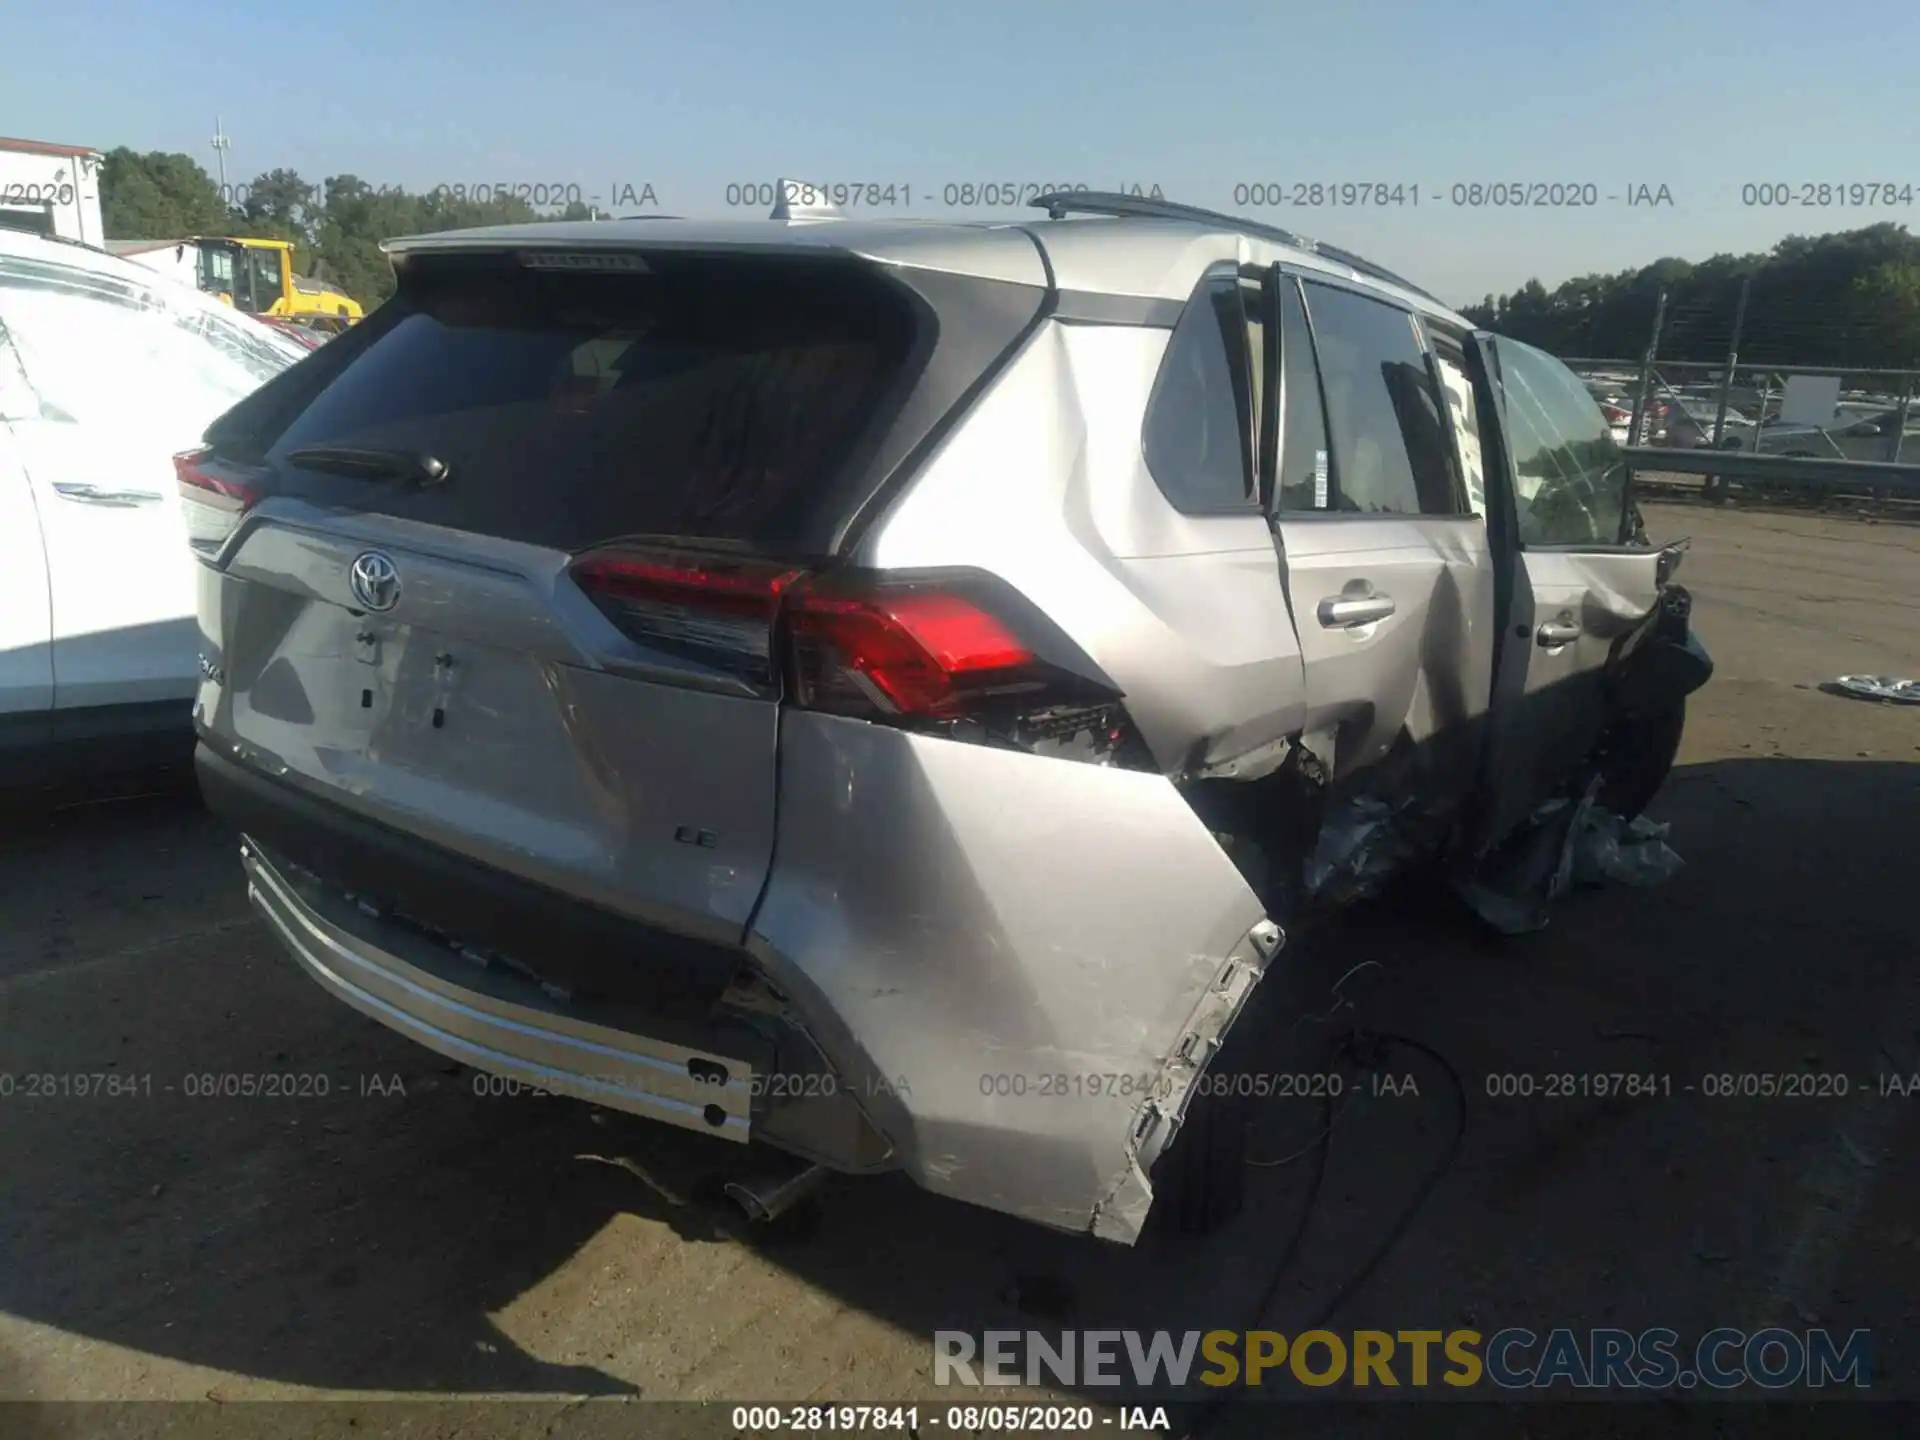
336 226
1851 298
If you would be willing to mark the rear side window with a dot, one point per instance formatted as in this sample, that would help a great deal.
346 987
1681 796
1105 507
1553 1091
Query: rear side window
1202 417
1305 466
709 398
1389 441
1450 359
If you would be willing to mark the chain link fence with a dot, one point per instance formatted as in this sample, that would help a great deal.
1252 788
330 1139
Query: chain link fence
1755 398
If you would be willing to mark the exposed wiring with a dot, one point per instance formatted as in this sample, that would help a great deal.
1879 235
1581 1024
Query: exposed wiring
1370 1049
1432 1182
1331 1112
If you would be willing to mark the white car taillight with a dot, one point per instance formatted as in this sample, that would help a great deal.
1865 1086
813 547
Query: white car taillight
212 505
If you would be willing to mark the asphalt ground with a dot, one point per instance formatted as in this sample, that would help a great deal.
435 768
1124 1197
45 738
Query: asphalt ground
377 1227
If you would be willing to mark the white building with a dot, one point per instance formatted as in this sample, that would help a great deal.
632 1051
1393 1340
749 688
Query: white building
51 190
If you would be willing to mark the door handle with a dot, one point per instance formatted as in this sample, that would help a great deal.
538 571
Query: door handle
1555 633
94 495
1349 612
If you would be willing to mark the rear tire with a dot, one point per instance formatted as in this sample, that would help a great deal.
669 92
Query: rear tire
1639 757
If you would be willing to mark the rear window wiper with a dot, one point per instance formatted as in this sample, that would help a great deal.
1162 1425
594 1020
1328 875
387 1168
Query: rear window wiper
415 465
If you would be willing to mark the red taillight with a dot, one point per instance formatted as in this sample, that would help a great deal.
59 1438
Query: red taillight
212 504
715 611
743 587
884 646
916 652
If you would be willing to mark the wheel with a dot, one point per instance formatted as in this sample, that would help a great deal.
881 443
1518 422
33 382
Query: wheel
1639 756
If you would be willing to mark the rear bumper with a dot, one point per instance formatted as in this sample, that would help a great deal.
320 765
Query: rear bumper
499 1023
1002 974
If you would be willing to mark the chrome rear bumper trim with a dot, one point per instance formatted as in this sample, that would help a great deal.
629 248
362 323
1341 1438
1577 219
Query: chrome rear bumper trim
520 1038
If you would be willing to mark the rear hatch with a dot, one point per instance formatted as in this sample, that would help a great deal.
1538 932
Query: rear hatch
499 568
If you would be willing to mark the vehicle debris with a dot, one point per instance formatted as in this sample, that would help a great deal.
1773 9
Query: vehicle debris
1632 852
1565 843
1363 843
1887 689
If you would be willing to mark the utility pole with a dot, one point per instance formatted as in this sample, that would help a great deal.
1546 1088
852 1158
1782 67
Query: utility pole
1733 357
1636 436
221 144
1714 483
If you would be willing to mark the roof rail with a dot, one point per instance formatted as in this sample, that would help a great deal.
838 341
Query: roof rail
1061 203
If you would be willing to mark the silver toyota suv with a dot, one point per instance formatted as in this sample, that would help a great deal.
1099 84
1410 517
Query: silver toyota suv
883 690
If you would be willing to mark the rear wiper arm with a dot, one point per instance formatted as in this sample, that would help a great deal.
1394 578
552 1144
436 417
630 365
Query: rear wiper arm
418 466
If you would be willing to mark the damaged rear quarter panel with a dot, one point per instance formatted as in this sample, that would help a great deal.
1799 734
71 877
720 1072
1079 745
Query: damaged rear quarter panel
1005 954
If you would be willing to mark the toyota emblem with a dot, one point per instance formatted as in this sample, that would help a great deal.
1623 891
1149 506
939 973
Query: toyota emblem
374 580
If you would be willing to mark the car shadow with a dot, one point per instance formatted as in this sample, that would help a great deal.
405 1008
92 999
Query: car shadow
365 1227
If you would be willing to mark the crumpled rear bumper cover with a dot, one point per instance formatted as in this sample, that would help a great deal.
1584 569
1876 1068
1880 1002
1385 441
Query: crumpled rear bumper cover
1016 967
1021 964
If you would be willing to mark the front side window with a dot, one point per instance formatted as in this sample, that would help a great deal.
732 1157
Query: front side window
1202 418
1389 440
1570 480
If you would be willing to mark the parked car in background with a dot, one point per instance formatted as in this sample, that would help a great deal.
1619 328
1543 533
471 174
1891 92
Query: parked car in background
307 337
885 690
1856 434
106 370
1619 418
1686 421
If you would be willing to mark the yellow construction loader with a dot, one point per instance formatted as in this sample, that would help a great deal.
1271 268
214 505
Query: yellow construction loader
251 275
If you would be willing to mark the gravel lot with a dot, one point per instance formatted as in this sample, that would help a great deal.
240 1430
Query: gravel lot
384 1230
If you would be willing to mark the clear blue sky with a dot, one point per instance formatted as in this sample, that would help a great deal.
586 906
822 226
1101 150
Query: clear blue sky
1194 97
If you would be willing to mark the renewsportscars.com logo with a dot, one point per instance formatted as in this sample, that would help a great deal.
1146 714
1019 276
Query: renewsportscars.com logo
1512 1359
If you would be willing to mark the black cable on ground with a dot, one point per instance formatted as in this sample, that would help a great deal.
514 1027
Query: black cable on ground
1213 1410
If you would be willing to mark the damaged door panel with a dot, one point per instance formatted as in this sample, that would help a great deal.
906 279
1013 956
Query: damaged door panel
1020 965
1388 568
1576 594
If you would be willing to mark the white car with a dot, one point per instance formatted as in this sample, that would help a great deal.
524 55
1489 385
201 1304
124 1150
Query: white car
106 371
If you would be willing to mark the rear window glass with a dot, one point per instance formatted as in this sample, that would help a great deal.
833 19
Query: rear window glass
115 352
709 398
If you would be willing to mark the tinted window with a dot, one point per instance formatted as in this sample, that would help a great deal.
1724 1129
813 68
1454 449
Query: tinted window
1200 421
1305 467
705 398
1389 444
1570 481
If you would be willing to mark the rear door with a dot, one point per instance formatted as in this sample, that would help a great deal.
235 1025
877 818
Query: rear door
1574 590
510 579
1387 562
120 374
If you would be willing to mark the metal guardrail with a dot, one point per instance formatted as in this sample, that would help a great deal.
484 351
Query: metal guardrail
1785 472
